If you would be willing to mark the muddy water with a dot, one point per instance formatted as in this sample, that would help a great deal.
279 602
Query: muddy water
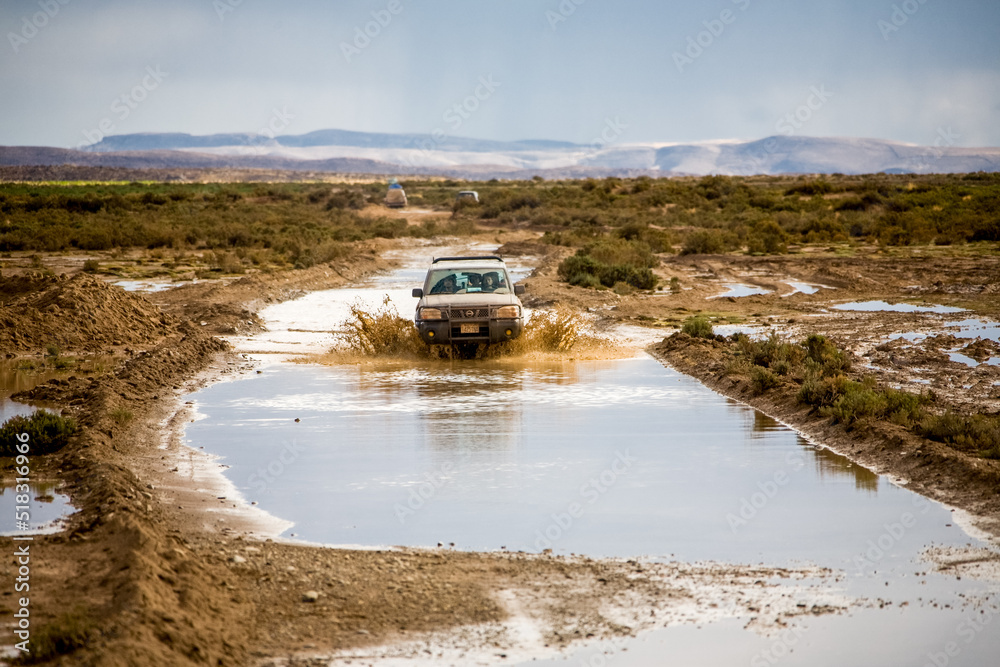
606 458
45 505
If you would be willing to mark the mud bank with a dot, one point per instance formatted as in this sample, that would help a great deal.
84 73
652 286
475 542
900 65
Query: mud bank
931 468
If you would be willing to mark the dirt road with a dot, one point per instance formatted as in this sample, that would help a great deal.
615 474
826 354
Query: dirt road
143 575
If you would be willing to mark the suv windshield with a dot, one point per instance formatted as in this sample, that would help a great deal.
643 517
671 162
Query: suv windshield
452 281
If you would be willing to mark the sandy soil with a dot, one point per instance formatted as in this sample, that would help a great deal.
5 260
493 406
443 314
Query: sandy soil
152 571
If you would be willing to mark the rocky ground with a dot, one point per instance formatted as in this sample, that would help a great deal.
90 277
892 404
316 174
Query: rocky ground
144 575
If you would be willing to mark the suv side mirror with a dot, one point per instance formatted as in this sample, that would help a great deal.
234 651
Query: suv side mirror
518 290
418 293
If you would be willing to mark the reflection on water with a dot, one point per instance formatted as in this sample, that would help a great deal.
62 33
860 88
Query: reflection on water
508 448
829 464
883 306
45 507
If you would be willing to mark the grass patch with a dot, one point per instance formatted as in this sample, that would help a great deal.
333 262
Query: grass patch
47 432
62 636
121 416
610 262
698 327
978 434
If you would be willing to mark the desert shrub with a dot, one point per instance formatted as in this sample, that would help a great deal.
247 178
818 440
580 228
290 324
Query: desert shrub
698 327
47 432
975 433
610 262
770 351
819 391
345 199
121 416
63 635
583 279
705 242
762 379
768 238
829 359
91 266
810 188
620 251
860 400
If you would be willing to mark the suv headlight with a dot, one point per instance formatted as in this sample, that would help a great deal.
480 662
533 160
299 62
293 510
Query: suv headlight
508 312
430 314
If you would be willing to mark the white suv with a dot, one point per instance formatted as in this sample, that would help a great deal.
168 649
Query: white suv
468 300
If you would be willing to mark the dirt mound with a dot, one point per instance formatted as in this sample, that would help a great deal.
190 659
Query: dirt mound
80 313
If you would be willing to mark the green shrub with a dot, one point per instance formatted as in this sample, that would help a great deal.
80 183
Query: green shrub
975 433
820 391
860 400
698 327
63 635
627 258
770 351
47 432
705 242
91 266
121 416
761 379
830 360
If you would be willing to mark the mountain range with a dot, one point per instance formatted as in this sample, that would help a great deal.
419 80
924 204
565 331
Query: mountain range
459 157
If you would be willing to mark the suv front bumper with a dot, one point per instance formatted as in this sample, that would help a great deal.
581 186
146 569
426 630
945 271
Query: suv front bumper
437 332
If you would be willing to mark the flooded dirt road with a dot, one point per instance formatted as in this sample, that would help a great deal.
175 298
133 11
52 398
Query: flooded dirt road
618 458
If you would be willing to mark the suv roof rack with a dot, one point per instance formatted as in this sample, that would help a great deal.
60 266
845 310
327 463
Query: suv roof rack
466 259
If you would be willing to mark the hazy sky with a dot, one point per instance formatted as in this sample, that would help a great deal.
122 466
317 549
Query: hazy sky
919 71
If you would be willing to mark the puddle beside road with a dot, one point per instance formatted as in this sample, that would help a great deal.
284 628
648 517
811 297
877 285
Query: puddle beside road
738 290
804 288
620 458
883 306
149 286
46 507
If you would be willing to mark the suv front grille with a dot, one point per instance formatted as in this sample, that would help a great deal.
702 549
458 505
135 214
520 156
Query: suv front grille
469 313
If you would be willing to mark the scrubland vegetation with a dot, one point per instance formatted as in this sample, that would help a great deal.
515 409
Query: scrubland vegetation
818 372
617 225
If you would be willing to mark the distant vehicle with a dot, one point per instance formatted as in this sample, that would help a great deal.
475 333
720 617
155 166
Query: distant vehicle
395 197
468 300
467 195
